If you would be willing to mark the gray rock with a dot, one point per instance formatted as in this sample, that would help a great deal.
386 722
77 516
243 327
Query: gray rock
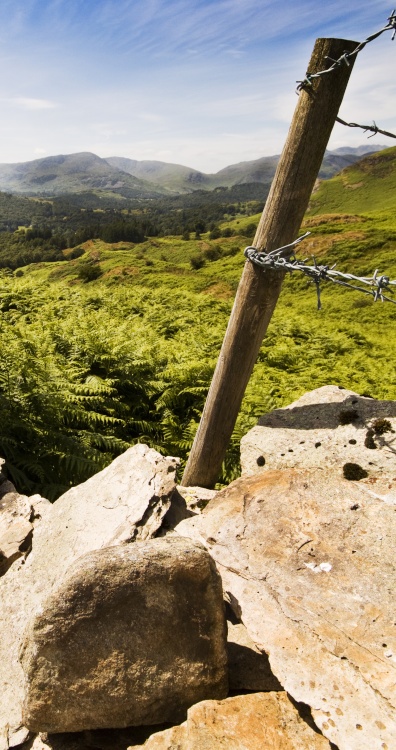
329 427
124 502
308 563
134 635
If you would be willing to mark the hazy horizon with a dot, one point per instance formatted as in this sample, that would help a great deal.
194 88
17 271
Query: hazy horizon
188 166
204 84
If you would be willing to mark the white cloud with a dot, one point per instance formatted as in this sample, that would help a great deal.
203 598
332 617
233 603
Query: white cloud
32 104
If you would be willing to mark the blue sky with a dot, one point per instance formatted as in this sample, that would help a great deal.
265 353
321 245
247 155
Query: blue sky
206 83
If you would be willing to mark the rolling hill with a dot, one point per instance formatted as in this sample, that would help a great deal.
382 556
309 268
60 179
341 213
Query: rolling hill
184 179
86 172
368 185
73 173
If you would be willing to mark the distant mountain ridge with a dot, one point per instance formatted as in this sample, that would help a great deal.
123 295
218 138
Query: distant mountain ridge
83 172
184 179
56 175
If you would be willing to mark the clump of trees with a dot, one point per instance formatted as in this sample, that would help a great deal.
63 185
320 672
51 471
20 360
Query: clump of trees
36 231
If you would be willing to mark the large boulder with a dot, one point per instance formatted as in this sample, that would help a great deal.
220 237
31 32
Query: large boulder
260 721
124 502
134 635
308 564
330 426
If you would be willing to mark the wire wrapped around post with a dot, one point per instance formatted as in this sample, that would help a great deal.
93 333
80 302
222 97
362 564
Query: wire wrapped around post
284 259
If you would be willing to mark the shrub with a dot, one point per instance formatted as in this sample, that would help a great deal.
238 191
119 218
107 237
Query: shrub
233 250
197 261
250 230
77 252
89 272
212 253
227 232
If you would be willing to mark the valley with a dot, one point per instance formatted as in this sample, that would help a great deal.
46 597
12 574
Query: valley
115 342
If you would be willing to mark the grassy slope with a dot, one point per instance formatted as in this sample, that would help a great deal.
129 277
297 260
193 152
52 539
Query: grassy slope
369 185
304 348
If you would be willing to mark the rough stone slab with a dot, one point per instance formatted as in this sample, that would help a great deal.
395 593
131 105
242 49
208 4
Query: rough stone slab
19 515
134 635
309 433
260 721
308 563
125 501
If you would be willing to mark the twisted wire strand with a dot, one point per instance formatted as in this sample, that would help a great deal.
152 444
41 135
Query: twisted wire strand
374 285
306 83
374 129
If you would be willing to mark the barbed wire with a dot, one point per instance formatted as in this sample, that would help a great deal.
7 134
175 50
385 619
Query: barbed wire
346 56
374 129
317 274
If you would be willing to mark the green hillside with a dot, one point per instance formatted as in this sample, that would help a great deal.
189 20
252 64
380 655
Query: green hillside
73 173
118 176
119 345
368 185
177 178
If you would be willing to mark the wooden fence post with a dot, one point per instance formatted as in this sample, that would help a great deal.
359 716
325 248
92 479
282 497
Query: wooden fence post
259 289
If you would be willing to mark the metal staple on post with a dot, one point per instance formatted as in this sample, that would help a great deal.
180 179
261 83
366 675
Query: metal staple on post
317 273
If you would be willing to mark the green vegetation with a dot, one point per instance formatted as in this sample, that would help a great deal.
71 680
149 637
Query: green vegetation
116 343
368 185
37 230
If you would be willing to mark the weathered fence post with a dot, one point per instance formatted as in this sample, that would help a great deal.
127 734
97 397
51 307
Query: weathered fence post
259 289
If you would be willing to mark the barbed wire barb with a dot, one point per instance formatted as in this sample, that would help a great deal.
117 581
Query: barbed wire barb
374 129
374 285
306 83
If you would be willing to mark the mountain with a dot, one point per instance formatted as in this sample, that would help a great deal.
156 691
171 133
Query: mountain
368 185
185 179
360 150
56 175
174 177
86 172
